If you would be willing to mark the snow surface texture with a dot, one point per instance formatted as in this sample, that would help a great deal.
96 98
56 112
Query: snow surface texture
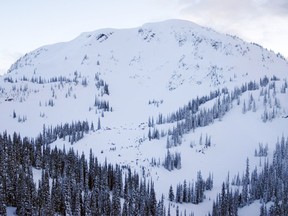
156 68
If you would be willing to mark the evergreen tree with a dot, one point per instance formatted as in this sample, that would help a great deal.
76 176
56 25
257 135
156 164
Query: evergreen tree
160 207
199 188
94 201
67 196
116 203
185 192
125 209
44 191
246 182
171 194
24 205
38 152
98 124
2 198
152 200
92 127
244 109
57 198
86 204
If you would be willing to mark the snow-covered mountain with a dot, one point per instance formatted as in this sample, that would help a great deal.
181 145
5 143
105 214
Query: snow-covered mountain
135 86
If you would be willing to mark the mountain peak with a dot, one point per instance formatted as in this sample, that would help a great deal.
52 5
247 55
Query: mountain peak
173 23
181 51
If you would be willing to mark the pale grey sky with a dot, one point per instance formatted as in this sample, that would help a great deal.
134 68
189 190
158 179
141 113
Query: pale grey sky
27 25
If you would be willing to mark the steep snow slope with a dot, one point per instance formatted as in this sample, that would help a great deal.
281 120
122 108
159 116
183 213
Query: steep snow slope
156 68
161 61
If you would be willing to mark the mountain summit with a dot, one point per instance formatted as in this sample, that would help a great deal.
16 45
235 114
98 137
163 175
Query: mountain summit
173 47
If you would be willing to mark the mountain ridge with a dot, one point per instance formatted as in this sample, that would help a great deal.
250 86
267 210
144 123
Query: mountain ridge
168 26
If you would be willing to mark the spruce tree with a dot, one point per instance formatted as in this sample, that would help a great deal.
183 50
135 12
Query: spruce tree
2 197
125 209
116 202
152 200
171 194
98 124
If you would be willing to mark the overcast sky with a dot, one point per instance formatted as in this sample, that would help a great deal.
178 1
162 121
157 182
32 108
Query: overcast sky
27 25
